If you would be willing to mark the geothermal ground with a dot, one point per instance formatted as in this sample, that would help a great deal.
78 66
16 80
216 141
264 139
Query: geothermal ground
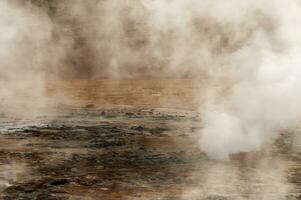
133 140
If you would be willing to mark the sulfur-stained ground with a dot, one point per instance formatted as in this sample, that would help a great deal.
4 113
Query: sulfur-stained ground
134 140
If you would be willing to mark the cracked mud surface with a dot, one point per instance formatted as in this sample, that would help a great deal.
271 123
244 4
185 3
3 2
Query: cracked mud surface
136 152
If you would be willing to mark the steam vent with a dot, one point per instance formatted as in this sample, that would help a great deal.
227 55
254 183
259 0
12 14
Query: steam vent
150 100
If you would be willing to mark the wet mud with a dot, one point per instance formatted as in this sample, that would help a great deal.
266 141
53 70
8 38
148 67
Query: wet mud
137 152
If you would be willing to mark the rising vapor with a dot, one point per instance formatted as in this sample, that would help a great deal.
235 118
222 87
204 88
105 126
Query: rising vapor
245 54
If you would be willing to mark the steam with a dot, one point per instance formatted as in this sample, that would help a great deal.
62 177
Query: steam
25 56
246 54
263 98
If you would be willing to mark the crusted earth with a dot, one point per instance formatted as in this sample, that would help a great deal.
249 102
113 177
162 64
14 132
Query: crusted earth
91 151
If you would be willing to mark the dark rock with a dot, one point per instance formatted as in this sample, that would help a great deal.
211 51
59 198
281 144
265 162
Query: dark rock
138 128
59 182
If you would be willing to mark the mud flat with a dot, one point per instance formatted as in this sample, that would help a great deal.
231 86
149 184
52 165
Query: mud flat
132 150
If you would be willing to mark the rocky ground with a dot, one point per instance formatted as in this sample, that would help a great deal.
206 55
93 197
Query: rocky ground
135 152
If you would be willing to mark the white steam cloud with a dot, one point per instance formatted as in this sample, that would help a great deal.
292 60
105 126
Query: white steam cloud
246 53
264 94
26 57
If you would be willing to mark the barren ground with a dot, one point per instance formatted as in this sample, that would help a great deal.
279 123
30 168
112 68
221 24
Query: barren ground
134 139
